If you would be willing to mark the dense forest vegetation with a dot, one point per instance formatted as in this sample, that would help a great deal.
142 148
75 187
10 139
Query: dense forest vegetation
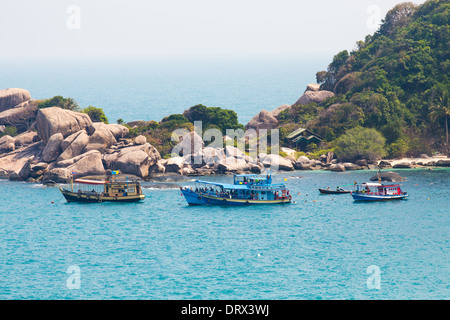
395 81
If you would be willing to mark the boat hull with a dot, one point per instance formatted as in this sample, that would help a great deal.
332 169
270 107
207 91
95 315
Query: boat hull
76 197
371 197
326 191
193 198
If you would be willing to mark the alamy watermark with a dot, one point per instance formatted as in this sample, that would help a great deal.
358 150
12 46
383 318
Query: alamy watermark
73 21
74 279
374 280
374 17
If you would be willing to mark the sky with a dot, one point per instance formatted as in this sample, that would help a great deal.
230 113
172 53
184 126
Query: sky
83 28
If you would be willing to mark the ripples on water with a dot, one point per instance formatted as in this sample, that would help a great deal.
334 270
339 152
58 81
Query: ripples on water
318 248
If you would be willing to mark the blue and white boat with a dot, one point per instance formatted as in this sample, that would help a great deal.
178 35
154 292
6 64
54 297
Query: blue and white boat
369 191
246 189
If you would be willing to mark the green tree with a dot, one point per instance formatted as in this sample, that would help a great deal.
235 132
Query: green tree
397 17
59 101
213 117
440 111
96 114
360 143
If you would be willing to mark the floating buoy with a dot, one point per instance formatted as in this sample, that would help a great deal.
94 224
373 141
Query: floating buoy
314 200
428 198
53 201
299 193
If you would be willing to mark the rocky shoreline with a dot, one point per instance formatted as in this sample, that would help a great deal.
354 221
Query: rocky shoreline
60 143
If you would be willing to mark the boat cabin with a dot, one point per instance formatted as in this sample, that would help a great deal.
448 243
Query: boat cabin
379 189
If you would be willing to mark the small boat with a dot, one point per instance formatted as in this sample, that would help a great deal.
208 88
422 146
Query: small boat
116 191
337 191
246 189
378 192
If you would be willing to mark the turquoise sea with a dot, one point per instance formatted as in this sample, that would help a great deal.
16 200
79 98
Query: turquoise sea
151 88
319 247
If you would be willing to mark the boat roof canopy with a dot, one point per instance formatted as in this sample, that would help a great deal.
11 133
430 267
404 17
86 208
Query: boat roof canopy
86 181
372 184
225 185
376 184
247 175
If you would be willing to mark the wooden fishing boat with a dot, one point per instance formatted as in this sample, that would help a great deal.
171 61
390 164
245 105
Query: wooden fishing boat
246 189
337 191
100 191
378 192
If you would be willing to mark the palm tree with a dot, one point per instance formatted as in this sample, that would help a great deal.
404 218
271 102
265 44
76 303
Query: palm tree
439 111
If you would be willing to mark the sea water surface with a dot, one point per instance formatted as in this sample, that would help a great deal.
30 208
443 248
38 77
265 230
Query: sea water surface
319 247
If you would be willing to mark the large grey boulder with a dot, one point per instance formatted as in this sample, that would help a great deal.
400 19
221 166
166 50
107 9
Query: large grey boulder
53 148
351 166
314 96
15 160
89 163
263 120
12 97
100 137
403 165
303 163
175 164
443 163
388 176
58 175
118 130
21 116
53 120
313 87
277 111
132 160
7 144
140 139
76 147
212 156
338 167
232 164
276 161
25 138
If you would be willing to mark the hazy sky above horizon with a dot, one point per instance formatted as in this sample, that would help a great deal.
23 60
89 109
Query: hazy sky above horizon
47 29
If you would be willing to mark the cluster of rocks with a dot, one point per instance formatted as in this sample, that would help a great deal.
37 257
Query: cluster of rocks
412 163
212 160
59 144
269 119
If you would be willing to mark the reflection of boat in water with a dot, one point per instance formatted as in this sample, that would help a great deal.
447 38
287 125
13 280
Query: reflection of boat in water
117 191
246 189
337 191
377 192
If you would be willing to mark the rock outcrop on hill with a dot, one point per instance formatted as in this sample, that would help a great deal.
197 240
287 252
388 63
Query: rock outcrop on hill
56 120
12 97
64 144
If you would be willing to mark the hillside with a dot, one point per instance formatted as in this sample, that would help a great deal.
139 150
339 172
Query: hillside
392 81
